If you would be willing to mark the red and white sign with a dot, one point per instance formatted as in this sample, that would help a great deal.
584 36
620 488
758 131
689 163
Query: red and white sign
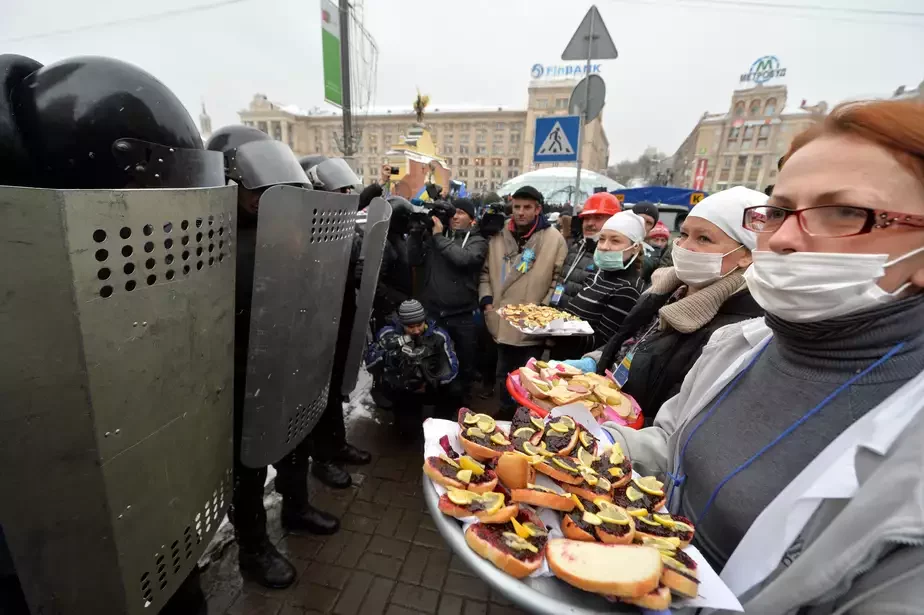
699 179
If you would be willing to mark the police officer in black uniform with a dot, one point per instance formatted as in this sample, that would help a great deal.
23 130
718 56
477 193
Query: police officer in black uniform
256 162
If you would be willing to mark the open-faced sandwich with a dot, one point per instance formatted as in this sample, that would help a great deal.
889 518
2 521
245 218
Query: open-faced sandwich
537 495
516 547
664 525
560 435
642 496
614 465
524 418
534 383
487 507
587 442
563 469
480 436
656 600
624 571
680 573
600 520
460 473
592 485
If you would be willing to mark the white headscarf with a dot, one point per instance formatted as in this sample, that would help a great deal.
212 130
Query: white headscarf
629 224
725 209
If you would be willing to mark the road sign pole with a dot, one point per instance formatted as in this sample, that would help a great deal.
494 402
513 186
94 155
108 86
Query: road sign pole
580 148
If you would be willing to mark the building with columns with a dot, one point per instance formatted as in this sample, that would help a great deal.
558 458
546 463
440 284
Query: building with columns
483 147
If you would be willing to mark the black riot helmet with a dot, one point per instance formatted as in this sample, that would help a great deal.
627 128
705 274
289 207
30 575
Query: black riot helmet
254 160
94 123
15 169
330 174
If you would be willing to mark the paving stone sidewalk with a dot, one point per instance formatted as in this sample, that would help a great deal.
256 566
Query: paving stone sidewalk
388 557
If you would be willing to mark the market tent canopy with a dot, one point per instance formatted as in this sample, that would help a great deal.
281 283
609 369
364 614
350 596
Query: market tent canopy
663 195
557 184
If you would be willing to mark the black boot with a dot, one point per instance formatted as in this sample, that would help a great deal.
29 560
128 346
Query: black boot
263 564
303 517
331 474
351 455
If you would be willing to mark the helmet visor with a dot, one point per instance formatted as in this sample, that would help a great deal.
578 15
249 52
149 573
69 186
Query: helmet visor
151 165
333 174
260 164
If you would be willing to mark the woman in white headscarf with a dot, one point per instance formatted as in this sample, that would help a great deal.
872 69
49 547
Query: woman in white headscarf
611 293
664 334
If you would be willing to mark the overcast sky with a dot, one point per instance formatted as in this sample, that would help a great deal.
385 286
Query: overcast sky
678 58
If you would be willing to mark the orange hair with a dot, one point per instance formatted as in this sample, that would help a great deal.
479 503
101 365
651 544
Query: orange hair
896 125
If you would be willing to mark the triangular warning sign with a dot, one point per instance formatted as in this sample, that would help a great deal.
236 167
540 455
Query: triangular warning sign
556 143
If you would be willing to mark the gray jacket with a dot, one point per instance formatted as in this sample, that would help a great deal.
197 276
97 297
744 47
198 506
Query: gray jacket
451 266
860 556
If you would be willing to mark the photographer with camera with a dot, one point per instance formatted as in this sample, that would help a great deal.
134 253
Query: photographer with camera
415 361
451 254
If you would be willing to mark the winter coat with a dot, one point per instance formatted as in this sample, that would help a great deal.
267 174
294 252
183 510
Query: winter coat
413 364
582 253
663 358
451 268
503 284
856 545
394 284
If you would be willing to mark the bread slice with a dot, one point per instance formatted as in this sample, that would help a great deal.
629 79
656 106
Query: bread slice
625 571
658 600
514 471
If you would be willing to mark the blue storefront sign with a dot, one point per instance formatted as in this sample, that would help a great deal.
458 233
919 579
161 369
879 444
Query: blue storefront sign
565 71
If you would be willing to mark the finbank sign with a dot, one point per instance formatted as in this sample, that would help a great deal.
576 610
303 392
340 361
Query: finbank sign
566 71
763 70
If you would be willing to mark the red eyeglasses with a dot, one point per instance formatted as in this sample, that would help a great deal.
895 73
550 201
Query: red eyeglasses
827 220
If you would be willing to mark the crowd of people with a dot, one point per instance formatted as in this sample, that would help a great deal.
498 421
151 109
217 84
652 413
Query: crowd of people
774 346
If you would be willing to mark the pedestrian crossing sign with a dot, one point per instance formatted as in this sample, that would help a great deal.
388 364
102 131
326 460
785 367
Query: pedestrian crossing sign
557 138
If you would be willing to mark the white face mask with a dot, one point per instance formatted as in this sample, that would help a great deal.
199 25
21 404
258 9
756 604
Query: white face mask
698 268
815 286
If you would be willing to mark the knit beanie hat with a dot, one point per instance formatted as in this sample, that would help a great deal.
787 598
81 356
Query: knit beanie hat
411 312
465 205
647 208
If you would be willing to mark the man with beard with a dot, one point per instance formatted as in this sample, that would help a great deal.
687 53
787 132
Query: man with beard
452 260
579 264
523 262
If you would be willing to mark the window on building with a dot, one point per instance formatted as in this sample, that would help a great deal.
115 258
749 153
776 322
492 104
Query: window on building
542 103
481 149
748 133
739 108
463 149
754 173
561 103
463 162
757 162
498 150
727 162
262 126
513 162
755 107
498 138
481 137
374 150
739 168
725 174
495 173
514 138
500 126
479 172
464 138
496 162
463 172
763 136
387 139
479 162
733 134
449 162
770 107
512 173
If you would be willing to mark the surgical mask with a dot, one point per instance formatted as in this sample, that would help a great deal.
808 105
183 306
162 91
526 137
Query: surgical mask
816 286
611 261
698 268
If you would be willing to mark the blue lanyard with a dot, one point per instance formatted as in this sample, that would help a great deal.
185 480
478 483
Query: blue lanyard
677 481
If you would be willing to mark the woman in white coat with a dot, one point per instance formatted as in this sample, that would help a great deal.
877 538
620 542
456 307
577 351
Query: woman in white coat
796 443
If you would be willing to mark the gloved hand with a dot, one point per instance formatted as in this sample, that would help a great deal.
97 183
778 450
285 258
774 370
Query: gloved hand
585 365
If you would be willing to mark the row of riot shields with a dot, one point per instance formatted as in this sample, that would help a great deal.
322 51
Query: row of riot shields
116 392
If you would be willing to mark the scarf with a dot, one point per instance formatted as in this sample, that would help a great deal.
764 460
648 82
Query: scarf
695 310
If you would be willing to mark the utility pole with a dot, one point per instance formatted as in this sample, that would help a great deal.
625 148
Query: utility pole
348 144
576 202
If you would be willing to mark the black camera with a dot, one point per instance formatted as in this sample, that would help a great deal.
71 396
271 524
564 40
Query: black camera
492 219
422 215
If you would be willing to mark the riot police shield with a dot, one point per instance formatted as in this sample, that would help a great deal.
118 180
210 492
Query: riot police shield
117 322
379 216
300 267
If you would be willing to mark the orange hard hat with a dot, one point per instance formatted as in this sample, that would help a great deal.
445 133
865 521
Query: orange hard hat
602 203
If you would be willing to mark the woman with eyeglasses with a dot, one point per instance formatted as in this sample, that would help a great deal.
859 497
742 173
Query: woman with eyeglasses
664 334
796 443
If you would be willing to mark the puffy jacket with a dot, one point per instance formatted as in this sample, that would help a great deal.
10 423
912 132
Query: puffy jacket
411 363
664 357
582 253
451 267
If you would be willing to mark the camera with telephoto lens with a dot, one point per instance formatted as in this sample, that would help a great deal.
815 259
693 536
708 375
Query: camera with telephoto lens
422 215
492 219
